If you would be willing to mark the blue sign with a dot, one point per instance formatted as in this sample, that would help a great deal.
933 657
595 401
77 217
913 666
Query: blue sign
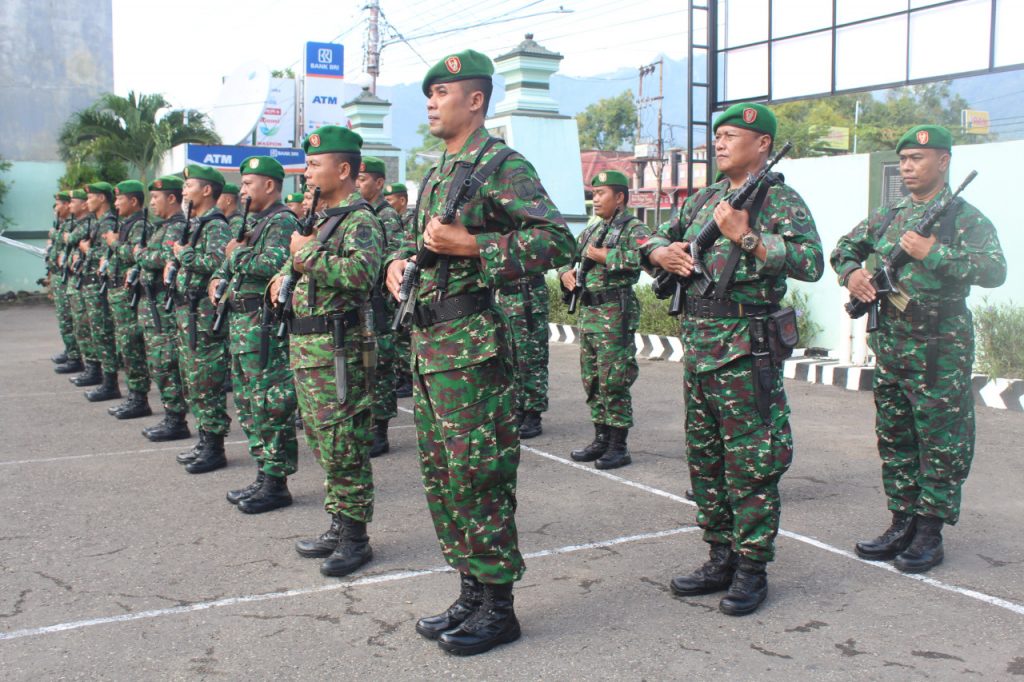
225 158
326 60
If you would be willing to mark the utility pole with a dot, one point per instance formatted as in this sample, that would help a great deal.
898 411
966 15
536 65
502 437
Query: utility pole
658 158
373 44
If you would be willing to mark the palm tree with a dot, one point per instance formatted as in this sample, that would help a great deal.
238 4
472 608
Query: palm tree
133 129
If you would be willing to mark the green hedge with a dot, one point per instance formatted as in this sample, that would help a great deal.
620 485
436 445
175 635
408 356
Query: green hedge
999 336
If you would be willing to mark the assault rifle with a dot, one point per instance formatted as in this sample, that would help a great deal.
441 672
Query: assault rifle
171 278
131 282
219 299
284 295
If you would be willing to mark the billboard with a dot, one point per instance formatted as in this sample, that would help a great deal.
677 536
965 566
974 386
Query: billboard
228 158
324 86
276 127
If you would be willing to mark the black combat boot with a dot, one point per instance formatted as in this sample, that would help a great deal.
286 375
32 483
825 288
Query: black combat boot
114 409
323 546
471 595
353 549
211 457
60 358
530 426
92 376
748 590
493 623
403 388
70 367
380 438
189 456
236 496
715 575
617 454
273 494
925 552
173 427
136 406
108 390
595 449
890 543
688 494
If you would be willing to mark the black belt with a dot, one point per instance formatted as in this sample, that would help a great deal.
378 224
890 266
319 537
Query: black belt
90 279
711 308
245 305
919 313
451 308
182 300
322 324
516 287
591 298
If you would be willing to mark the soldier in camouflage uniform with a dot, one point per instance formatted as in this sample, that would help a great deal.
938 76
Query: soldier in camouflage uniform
100 197
70 359
924 348
81 222
263 386
738 437
227 204
120 257
159 326
525 302
609 313
385 406
204 362
296 201
397 194
337 268
463 371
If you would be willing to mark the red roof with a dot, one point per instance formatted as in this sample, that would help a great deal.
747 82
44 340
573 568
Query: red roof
594 161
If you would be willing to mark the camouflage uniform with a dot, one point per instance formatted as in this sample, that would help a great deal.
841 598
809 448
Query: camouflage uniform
609 313
463 375
161 345
402 338
61 298
101 321
736 458
385 406
205 368
130 344
264 396
926 430
78 229
525 303
345 270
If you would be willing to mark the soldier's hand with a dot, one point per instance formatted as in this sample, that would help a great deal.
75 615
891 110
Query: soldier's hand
275 289
916 246
83 246
298 241
732 223
232 245
395 273
167 266
103 263
109 238
450 240
859 284
177 248
137 250
674 258
211 288
569 280
599 255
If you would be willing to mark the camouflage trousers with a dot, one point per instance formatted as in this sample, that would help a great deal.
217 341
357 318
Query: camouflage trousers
339 434
529 334
101 328
203 371
130 344
162 352
925 434
385 404
265 400
80 318
735 459
65 322
608 369
403 352
469 456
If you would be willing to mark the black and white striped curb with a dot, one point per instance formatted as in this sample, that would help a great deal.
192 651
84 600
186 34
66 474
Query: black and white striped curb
815 367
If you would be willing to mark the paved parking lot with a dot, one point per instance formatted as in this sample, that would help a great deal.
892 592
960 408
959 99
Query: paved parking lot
115 563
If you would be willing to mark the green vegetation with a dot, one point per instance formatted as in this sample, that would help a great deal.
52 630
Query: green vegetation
999 337
807 327
608 124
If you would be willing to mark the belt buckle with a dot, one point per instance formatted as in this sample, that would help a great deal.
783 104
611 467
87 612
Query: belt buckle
704 307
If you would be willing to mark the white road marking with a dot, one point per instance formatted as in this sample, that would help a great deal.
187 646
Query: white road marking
106 454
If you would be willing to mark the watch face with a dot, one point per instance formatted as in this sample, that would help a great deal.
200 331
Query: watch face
748 242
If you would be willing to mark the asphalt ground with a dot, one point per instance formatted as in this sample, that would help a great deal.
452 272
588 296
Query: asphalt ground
115 563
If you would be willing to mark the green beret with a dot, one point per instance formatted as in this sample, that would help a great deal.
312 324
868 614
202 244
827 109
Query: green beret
262 165
166 183
332 139
371 164
230 188
63 196
395 188
130 186
194 170
756 117
459 67
101 188
294 198
610 178
78 194
926 137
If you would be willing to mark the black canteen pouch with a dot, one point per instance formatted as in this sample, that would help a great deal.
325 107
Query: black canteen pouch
783 335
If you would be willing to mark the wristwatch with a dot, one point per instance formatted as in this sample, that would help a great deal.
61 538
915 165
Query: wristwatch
749 241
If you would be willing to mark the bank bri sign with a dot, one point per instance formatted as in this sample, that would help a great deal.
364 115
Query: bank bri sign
225 158
325 60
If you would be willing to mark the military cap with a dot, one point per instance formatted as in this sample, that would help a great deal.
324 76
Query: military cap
166 183
230 188
78 194
926 137
129 186
395 188
371 164
63 196
460 66
332 139
194 170
610 178
100 188
262 165
749 115
294 198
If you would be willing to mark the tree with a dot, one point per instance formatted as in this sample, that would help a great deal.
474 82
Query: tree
5 166
283 73
137 130
424 155
608 124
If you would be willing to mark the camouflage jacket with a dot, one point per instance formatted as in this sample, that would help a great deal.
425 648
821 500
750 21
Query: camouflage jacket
519 232
345 269
234 222
408 218
793 250
251 267
199 262
154 256
973 255
55 252
123 252
394 227
98 246
623 235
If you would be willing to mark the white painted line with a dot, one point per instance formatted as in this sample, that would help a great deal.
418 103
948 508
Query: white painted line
341 585
107 454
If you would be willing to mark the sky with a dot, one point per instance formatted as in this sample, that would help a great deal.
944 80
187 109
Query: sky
201 41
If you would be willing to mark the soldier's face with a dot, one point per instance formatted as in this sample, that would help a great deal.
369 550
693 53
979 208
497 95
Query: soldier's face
399 202
78 207
123 206
93 201
606 200
739 149
369 185
923 170
63 209
227 203
194 191
451 108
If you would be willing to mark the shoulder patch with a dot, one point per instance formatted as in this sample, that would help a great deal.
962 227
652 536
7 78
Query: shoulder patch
525 187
